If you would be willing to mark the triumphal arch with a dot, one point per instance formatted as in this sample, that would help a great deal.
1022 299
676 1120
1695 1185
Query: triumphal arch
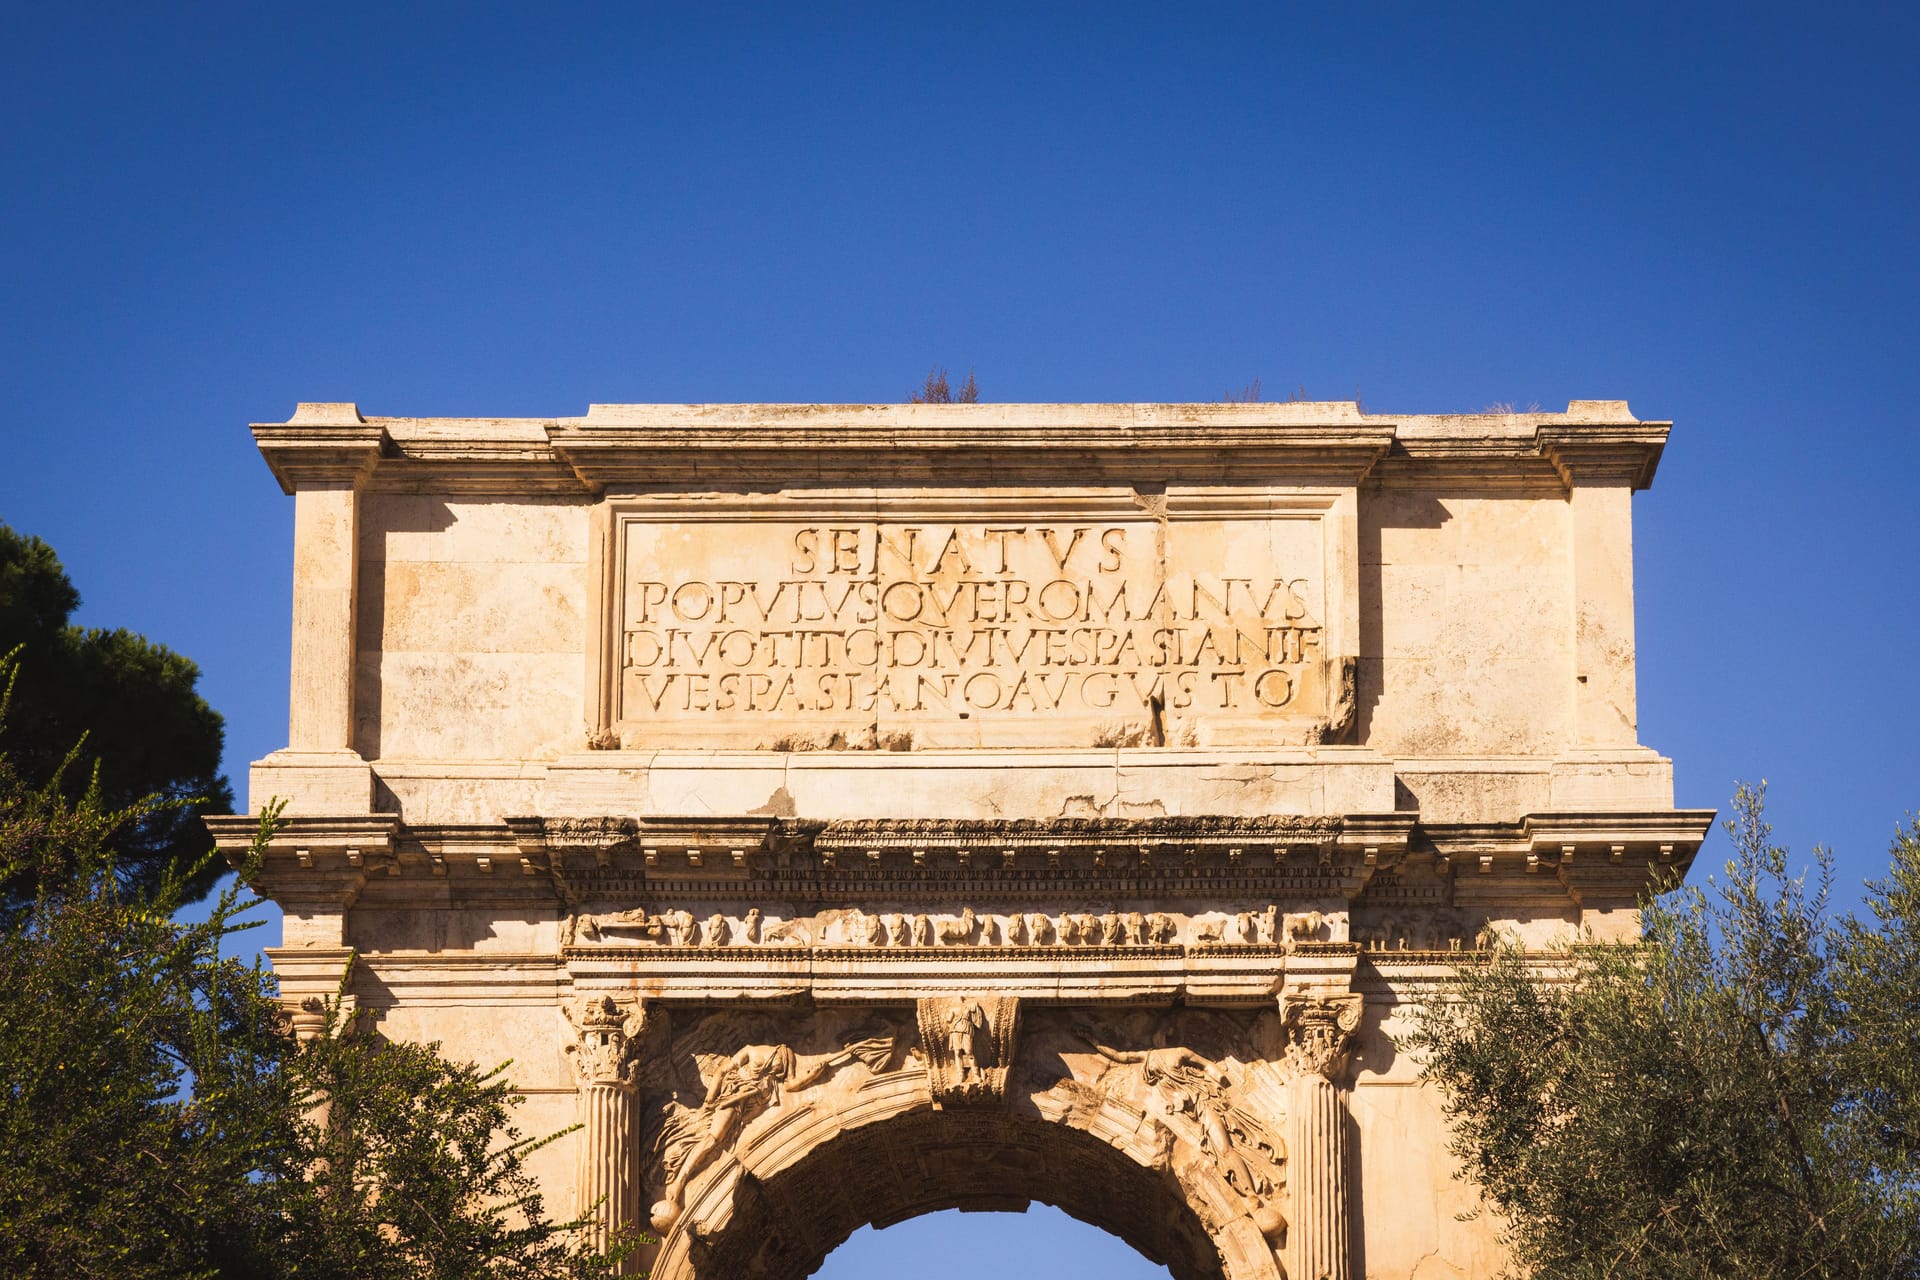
843 812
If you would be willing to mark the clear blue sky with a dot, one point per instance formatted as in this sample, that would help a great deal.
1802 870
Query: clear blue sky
211 213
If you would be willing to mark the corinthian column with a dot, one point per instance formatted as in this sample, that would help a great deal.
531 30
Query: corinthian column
1319 1028
606 1177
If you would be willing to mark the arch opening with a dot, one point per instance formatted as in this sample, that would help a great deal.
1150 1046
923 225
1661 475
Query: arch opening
781 1225
952 1245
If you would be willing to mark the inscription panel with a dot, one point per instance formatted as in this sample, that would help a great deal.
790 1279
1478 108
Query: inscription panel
951 624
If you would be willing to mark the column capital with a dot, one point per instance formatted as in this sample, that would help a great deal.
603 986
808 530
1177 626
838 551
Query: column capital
606 1043
1319 1027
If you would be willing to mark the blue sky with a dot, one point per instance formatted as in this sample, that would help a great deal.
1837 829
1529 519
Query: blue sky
1708 210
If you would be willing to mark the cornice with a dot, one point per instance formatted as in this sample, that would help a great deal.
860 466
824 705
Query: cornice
322 444
1613 856
318 861
1604 453
678 448
646 447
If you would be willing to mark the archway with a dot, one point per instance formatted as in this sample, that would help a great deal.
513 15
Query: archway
802 1187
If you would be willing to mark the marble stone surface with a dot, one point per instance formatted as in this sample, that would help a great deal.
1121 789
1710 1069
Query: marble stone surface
849 811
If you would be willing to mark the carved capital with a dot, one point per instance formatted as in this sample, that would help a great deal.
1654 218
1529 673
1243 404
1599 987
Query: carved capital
606 1040
969 1045
308 1020
1319 1030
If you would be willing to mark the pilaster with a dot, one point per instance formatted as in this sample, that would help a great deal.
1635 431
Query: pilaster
604 1052
1320 1016
321 456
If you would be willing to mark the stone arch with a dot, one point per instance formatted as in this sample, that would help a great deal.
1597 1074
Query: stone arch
803 1181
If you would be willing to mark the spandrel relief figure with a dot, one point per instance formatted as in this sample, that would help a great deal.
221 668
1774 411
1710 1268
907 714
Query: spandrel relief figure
745 1084
750 1082
1190 1096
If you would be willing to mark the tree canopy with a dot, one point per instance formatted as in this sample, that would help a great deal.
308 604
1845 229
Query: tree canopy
1733 1097
160 1119
132 709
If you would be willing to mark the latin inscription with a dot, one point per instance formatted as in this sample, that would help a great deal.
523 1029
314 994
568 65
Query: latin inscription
958 621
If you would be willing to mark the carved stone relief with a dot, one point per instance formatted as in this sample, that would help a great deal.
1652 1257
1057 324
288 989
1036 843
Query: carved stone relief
636 926
606 1040
1319 1030
739 1067
1184 1090
1414 930
969 1044
970 928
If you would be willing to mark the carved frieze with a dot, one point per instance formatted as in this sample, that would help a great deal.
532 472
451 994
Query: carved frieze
985 929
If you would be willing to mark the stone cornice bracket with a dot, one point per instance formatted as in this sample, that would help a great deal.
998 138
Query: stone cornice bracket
1373 842
312 862
969 1043
1615 858
605 1046
1610 857
322 444
1599 442
619 446
697 848
1319 1028
1348 850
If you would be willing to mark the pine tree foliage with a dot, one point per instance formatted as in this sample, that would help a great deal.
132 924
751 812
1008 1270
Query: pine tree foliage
132 711
1733 1097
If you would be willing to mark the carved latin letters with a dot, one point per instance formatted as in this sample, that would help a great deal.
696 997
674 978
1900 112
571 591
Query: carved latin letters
949 621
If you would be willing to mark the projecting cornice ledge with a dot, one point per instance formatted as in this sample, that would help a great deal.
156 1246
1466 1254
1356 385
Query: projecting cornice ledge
640 447
643 446
321 444
1603 452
